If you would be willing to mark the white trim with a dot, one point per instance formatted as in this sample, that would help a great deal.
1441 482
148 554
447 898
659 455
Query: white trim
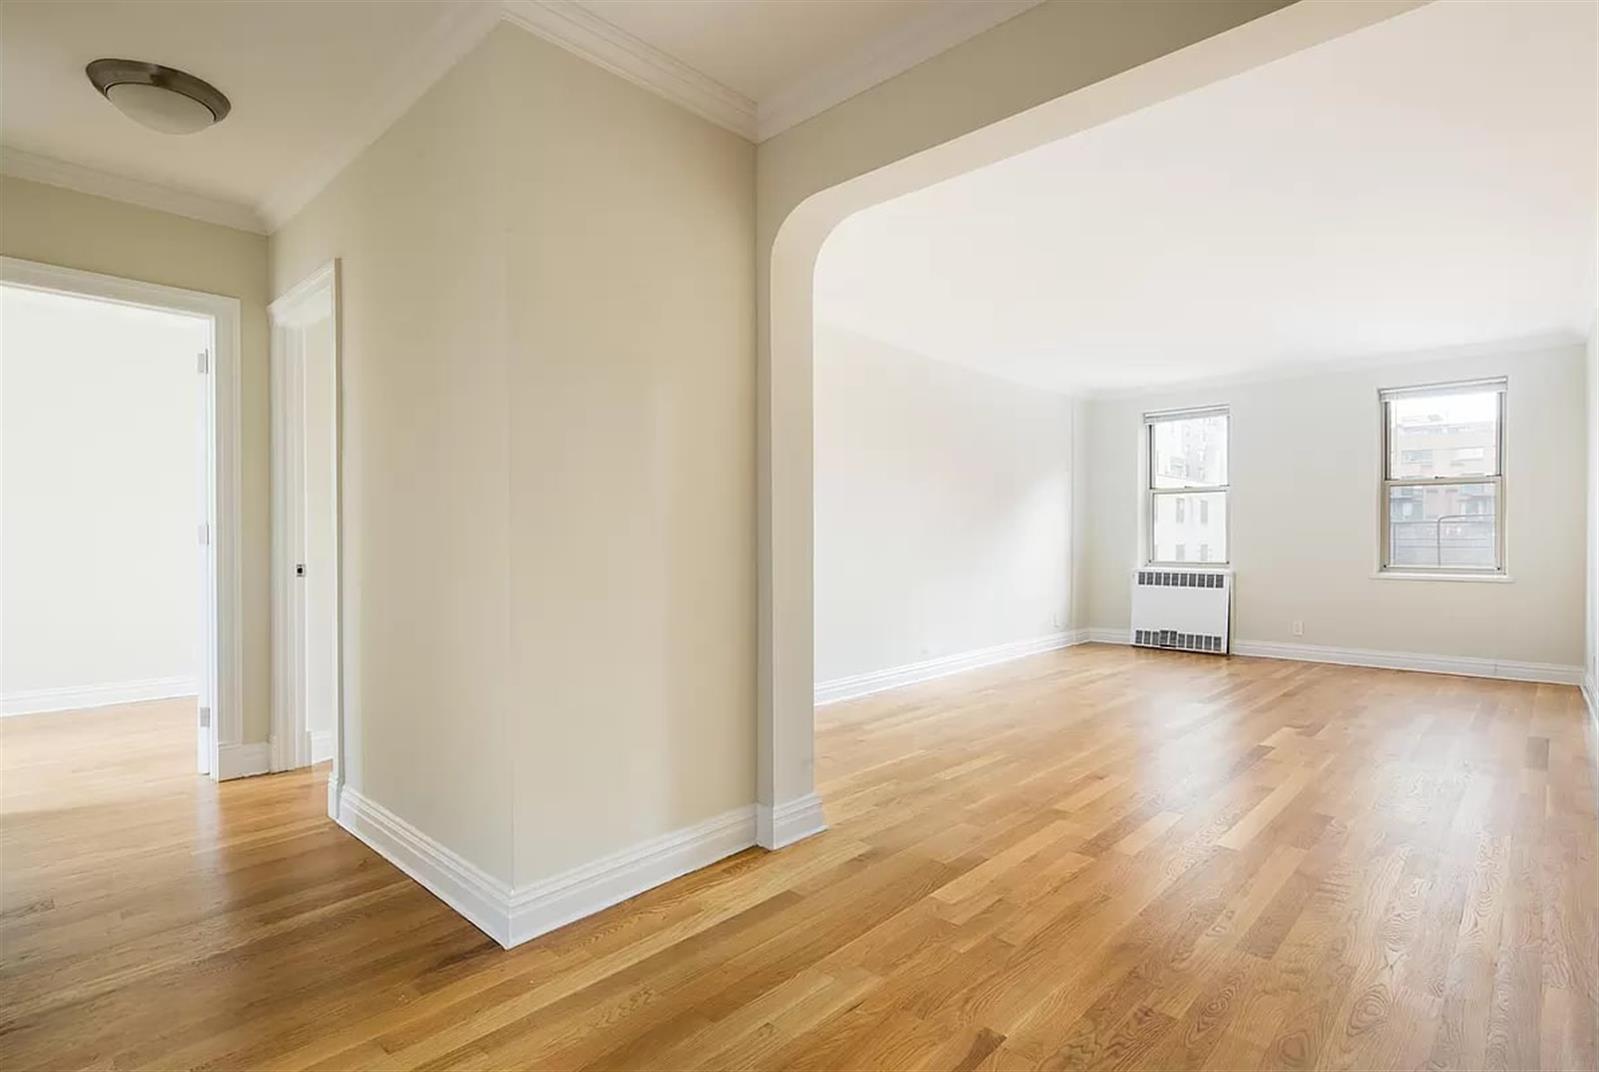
459 29
1552 673
589 36
313 300
224 676
795 820
1442 575
32 167
75 697
542 906
513 916
877 61
849 688
1107 636
1590 696
243 760
474 893
319 745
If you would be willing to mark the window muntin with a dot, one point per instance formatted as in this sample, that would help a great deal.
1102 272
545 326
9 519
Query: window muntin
1186 487
1443 473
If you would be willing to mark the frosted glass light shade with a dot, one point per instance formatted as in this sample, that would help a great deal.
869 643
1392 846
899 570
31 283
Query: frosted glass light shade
165 110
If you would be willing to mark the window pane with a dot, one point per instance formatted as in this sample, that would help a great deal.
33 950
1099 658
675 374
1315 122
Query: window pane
1188 452
1190 527
1443 435
1449 525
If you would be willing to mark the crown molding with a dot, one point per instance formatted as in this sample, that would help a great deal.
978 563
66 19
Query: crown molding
878 60
411 74
1519 346
585 34
32 167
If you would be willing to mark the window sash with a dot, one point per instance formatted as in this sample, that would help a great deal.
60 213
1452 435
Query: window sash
1474 387
1389 482
1166 417
1153 493
1227 531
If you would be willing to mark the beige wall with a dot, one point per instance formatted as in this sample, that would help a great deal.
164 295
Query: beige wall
1305 455
943 508
631 390
417 222
57 226
548 460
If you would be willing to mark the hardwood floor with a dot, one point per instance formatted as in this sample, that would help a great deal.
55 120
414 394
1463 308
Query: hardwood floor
1092 858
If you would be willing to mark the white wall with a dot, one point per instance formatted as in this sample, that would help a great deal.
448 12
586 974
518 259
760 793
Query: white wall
1304 469
100 578
943 508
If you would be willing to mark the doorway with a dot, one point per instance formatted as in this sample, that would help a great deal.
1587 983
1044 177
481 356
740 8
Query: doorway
305 560
120 562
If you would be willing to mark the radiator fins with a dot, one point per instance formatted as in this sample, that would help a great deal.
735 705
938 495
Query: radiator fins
1175 641
1181 579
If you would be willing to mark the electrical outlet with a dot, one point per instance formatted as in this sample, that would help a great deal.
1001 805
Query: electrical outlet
1299 627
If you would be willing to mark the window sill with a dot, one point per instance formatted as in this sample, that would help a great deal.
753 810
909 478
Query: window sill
1413 575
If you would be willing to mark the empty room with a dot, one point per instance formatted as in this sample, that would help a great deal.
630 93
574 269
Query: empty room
843 534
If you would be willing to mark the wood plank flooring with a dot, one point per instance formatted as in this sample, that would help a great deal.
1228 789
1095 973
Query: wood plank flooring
1094 858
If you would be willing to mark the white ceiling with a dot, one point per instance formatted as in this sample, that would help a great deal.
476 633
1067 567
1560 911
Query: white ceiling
760 48
313 83
1425 183
304 79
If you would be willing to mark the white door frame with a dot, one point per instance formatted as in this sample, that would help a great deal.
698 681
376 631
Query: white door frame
222 687
313 299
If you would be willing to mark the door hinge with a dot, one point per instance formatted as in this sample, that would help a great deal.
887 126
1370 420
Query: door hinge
205 718
205 534
203 362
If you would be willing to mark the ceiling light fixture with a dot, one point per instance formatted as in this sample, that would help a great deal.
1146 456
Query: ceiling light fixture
161 98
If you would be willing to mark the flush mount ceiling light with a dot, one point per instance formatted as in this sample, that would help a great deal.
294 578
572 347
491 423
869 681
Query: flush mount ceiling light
161 98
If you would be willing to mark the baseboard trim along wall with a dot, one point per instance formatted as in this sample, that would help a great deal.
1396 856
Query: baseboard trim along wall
850 688
513 916
73 698
1465 666
1591 696
1550 673
542 906
243 760
784 824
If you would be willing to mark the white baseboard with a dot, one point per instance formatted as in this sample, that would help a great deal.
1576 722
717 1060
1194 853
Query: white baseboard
513 916
320 745
1590 693
542 906
73 698
243 760
1551 673
850 688
784 824
480 897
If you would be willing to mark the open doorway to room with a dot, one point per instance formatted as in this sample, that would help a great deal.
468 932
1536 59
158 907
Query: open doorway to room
116 619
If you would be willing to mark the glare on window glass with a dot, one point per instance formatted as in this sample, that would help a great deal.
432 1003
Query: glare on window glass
1450 435
1190 452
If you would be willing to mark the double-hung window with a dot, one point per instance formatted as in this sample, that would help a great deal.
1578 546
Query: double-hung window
1186 487
1443 501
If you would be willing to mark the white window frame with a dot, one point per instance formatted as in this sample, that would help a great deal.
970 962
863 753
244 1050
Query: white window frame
1152 493
1387 482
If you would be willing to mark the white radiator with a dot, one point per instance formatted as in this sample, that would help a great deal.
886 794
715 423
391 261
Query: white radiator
1185 610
